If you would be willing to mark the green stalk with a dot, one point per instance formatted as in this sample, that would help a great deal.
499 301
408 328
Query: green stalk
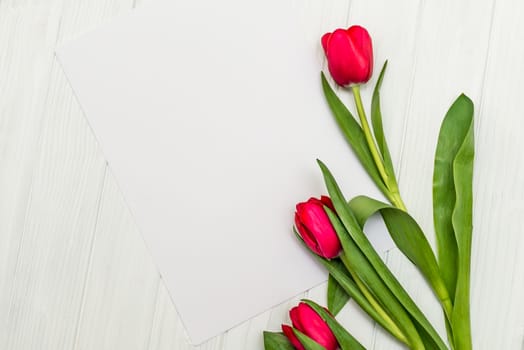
397 201
393 193
367 133
356 294
393 328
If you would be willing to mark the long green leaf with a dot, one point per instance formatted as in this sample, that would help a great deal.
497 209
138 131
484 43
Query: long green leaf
353 133
453 131
276 341
338 271
352 226
344 338
337 297
378 130
353 290
463 226
409 238
374 288
429 343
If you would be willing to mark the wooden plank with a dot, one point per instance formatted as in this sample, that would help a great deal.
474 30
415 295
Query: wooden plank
50 236
36 236
46 280
24 72
167 331
122 282
498 262
74 273
119 292
450 58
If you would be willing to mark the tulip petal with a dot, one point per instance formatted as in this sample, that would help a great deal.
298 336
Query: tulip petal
363 48
344 338
313 217
296 320
311 324
327 202
325 40
307 236
288 332
350 55
338 53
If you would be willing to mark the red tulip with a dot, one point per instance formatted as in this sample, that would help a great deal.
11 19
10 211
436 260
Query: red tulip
307 321
315 228
349 54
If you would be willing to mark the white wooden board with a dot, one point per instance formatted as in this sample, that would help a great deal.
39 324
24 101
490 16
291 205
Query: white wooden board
74 273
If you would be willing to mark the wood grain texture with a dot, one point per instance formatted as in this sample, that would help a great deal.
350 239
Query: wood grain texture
498 261
74 271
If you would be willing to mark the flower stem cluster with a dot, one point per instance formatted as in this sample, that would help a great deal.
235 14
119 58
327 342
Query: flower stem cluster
332 228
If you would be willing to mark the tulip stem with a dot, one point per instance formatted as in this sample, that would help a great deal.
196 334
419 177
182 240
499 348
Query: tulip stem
397 200
393 193
367 133
392 327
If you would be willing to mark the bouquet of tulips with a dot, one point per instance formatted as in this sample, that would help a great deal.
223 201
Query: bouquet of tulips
332 227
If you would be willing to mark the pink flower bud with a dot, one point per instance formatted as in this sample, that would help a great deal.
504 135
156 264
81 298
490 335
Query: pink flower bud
307 321
349 54
315 228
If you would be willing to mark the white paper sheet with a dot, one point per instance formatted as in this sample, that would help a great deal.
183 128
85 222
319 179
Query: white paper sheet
211 115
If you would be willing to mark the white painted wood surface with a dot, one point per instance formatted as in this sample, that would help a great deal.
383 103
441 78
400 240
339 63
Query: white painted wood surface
74 272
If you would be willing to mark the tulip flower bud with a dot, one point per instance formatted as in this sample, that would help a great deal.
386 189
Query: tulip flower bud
307 321
349 54
315 228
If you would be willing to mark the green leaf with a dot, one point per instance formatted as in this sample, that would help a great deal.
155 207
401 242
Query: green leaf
307 342
353 133
373 288
378 130
463 226
429 343
454 130
352 226
344 338
338 271
276 341
336 296
408 237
